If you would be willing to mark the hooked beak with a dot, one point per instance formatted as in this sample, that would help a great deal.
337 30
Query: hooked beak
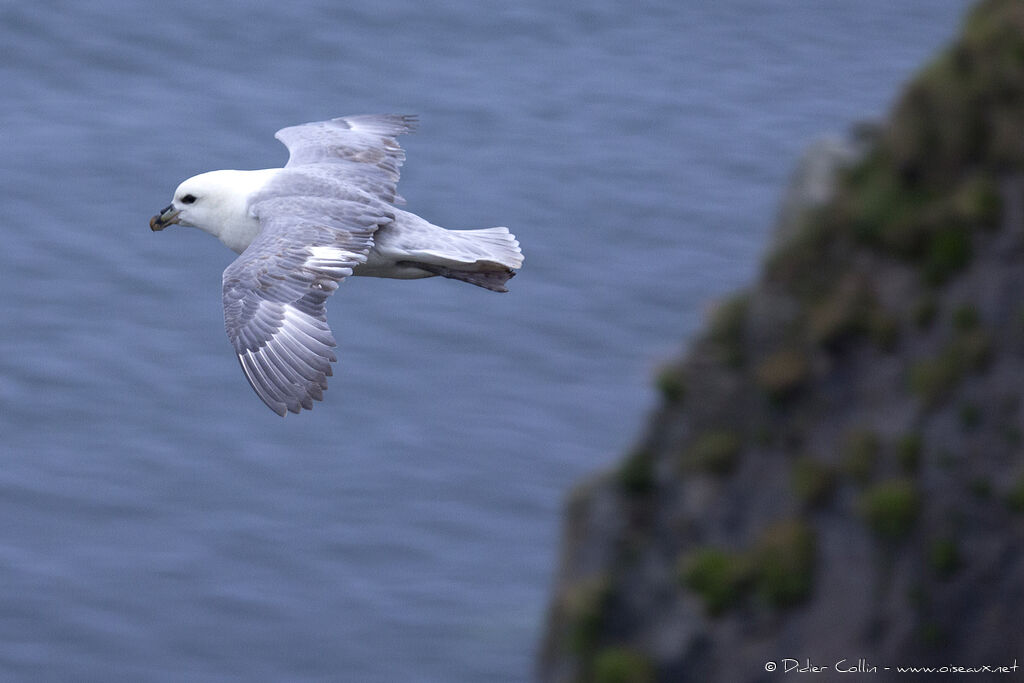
166 216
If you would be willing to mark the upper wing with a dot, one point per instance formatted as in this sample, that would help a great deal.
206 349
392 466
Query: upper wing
274 292
360 150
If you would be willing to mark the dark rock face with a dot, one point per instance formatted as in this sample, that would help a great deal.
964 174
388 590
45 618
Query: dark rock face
836 468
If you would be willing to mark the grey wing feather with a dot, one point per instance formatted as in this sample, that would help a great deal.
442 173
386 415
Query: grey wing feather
360 150
275 291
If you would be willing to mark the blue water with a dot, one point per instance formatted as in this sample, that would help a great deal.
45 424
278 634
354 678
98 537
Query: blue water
157 522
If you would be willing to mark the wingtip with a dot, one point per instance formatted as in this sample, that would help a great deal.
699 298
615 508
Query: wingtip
411 121
388 124
402 123
314 392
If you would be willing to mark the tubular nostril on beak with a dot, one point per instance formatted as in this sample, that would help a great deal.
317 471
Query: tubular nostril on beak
167 216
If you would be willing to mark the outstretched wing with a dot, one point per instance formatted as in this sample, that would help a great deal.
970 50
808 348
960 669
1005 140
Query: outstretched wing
318 217
355 149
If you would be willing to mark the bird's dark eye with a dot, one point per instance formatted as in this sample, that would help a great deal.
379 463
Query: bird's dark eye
188 199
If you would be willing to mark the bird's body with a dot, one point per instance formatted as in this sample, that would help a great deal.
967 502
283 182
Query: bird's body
299 230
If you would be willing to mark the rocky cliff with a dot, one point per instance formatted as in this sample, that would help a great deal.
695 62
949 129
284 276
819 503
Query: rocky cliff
835 470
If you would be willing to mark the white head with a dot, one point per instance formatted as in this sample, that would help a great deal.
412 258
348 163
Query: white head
204 201
218 203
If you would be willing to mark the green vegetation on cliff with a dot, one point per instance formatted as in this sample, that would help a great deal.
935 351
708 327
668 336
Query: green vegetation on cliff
845 437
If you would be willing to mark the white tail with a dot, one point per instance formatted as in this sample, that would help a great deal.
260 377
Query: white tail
416 248
494 244
486 258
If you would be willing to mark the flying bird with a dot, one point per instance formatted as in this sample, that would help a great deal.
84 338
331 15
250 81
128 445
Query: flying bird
331 212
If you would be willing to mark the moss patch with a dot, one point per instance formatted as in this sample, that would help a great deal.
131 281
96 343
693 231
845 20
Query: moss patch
622 665
970 416
1015 497
908 452
933 378
977 202
948 251
813 481
944 556
636 473
891 508
779 569
981 488
728 326
716 452
718 576
671 383
842 315
798 263
860 454
782 374
925 311
783 563
966 318
585 606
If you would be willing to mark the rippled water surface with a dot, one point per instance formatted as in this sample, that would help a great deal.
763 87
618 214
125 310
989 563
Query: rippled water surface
157 522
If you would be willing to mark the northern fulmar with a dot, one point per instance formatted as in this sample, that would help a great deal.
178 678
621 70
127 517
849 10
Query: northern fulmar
329 213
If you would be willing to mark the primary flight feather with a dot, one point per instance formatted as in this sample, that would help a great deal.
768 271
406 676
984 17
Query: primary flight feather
331 212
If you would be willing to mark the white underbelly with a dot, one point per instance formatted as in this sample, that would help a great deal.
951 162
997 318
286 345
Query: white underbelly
408 238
